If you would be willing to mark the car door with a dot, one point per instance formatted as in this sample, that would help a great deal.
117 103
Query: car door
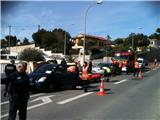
59 75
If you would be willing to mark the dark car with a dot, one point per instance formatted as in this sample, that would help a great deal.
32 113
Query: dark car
48 77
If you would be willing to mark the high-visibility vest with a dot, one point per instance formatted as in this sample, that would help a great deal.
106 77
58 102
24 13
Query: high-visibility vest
85 75
120 65
136 65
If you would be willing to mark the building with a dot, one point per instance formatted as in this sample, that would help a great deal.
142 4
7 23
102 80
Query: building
91 42
154 43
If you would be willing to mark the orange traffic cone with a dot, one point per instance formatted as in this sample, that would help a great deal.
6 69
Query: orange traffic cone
140 75
101 91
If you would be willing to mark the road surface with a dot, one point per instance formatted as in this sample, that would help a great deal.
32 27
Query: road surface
125 99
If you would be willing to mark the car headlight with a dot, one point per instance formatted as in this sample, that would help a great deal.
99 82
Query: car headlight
42 79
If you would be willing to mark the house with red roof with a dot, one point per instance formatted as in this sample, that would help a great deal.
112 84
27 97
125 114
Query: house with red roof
92 42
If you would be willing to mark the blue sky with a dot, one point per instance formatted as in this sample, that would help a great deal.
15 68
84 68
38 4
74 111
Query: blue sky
116 18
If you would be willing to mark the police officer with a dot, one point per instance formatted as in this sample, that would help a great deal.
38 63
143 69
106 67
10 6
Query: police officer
18 92
9 69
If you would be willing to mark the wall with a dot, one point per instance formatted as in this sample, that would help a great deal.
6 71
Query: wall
18 49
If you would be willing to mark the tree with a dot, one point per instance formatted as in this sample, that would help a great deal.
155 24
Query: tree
25 41
12 40
53 40
31 54
4 43
108 37
119 41
155 35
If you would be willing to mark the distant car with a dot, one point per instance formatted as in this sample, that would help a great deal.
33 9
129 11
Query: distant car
50 76
104 69
141 62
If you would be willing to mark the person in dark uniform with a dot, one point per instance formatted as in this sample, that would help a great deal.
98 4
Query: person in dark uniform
63 62
54 61
9 69
90 67
18 91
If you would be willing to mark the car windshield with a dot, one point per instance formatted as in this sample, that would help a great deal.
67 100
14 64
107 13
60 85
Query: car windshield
44 68
120 57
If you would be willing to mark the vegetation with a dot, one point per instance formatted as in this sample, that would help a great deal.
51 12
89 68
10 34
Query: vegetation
31 54
53 40
139 40
12 41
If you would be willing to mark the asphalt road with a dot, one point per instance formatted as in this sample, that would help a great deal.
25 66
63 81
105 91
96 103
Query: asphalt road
125 99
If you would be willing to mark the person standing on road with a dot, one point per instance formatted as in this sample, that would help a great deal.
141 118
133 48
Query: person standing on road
18 92
9 69
79 67
63 62
54 61
136 69
85 75
155 62
90 67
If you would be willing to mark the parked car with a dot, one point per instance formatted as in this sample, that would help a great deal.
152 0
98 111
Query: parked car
50 76
106 69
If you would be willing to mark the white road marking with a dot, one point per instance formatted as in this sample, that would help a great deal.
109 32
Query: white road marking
120 81
148 71
45 99
6 102
37 95
74 98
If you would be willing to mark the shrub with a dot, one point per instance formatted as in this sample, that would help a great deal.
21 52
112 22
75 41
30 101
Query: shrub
31 54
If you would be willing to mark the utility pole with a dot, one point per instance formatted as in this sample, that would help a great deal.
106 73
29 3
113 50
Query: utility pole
133 41
39 27
9 45
65 43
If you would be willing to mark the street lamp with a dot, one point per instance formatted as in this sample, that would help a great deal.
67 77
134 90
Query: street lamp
133 39
65 42
85 24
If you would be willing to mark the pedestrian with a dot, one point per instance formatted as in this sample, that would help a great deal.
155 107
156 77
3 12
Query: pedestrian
9 69
18 91
120 67
155 61
63 62
85 76
54 61
90 67
136 69
79 67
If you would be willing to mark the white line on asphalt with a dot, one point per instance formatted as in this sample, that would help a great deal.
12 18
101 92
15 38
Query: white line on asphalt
148 71
5 115
37 95
74 98
6 102
45 100
120 81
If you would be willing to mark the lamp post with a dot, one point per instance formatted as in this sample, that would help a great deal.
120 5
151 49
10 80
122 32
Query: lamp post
85 26
133 39
65 42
